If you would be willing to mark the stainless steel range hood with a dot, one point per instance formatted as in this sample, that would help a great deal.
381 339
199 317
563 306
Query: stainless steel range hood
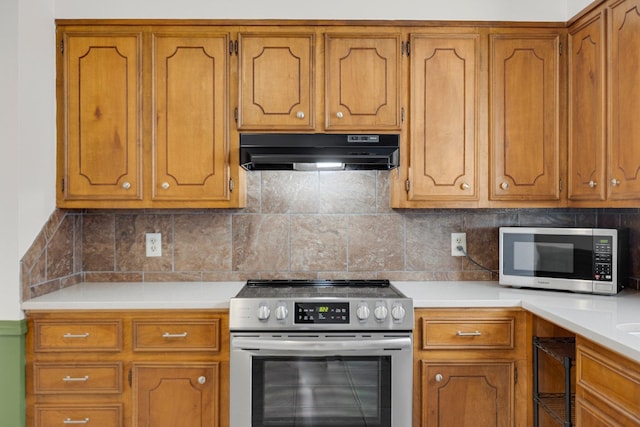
270 151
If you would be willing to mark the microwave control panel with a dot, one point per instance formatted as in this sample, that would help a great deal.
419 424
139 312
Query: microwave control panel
603 258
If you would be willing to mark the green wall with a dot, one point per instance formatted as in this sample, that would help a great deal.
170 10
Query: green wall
12 369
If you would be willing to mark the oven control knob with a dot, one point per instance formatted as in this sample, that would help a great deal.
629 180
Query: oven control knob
380 312
363 312
398 312
264 312
281 312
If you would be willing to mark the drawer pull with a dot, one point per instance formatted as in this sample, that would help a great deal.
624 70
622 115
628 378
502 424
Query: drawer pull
439 377
168 335
469 334
69 379
68 335
70 421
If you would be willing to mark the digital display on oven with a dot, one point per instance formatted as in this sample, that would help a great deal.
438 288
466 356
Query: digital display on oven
322 312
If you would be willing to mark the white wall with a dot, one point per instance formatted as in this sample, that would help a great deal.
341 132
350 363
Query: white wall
9 160
36 107
27 84
509 10
27 136
576 6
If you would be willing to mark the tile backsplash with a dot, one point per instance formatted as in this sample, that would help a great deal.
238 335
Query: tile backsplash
295 225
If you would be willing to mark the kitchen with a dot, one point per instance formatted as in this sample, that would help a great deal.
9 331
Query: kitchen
411 258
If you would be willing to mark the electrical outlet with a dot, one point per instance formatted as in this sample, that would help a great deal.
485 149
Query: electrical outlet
458 239
154 244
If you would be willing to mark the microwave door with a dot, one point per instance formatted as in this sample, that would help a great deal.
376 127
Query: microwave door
548 256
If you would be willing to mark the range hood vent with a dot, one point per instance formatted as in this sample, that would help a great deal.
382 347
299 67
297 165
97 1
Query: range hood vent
271 151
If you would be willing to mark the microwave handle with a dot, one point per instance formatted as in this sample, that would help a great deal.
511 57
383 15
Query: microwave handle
304 345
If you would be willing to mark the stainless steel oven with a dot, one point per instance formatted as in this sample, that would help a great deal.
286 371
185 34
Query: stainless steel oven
321 354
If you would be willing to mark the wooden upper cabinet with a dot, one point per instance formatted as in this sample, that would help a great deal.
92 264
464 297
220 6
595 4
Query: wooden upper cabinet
443 120
524 134
190 109
624 84
144 118
362 81
99 99
276 88
587 109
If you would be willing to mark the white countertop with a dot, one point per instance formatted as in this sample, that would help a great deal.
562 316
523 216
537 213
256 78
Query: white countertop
595 317
125 296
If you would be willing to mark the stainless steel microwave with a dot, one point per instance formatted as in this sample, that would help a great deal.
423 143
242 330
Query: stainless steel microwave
587 260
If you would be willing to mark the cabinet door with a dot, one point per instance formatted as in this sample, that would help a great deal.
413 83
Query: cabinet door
276 83
100 153
624 83
524 129
467 394
362 81
176 395
587 110
190 112
443 121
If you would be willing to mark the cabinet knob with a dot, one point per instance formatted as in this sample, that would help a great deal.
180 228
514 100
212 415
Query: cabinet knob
165 185
339 114
592 184
126 185
615 182
439 377
300 115
464 186
504 185
202 379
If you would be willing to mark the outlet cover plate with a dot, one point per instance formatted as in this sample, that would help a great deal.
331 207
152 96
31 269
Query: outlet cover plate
154 244
458 239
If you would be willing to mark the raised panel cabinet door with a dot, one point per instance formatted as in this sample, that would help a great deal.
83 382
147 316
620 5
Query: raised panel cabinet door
190 111
443 118
624 84
101 149
276 81
362 81
587 109
467 394
524 117
176 395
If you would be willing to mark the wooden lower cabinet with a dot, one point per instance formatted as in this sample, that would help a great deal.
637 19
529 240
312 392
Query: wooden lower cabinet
607 387
470 368
169 395
128 368
467 393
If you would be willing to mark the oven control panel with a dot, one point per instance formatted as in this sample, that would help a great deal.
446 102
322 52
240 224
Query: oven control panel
317 314
322 313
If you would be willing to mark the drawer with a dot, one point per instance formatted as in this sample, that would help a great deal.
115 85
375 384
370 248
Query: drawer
491 333
176 335
89 336
70 415
77 378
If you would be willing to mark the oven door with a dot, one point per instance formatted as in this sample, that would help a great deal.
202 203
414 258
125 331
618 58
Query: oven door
309 379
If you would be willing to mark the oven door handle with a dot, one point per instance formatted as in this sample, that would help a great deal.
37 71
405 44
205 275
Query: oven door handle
306 346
